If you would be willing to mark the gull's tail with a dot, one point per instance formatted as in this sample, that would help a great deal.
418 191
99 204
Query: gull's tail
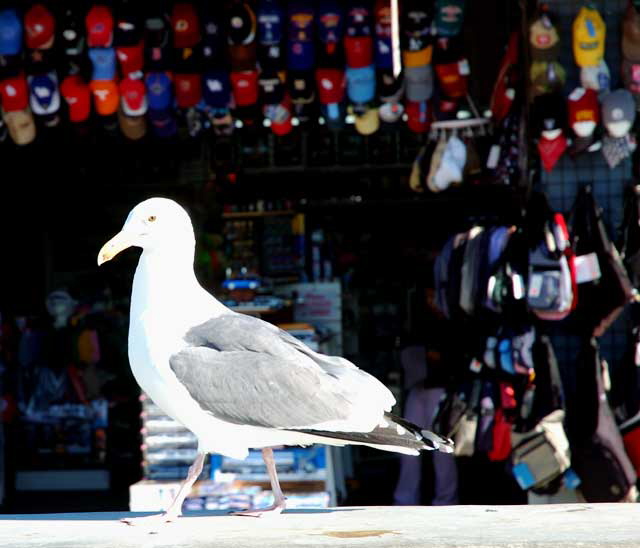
397 434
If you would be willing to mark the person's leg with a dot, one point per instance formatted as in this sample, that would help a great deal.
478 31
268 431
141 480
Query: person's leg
407 490
445 469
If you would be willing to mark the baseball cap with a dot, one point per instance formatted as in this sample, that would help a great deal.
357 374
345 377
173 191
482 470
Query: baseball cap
216 88
449 17
330 20
245 87
358 51
158 90
185 25
358 19
104 63
418 116
300 48
156 41
415 23
584 111
390 113
128 26
330 83
212 43
241 35
132 127
544 39
597 78
163 122
10 32
631 76
618 106
99 23
105 96
549 112
417 58
39 27
631 34
78 97
271 20
383 46
44 98
15 93
367 122
188 87
131 59
547 77
390 88
588 37
419 83
303 95
71 32
133 97
361 84
452 78
21 126
271 87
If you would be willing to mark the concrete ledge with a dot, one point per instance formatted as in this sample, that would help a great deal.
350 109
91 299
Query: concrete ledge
557 526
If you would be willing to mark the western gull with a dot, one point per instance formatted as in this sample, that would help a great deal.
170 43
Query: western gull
238 382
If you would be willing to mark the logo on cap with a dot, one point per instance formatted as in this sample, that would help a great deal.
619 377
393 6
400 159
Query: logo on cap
617 114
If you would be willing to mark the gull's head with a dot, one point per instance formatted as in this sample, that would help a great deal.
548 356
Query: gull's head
157 224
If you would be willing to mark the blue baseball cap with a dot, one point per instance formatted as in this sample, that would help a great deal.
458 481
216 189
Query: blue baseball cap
104 63
163 122
300 48
44 96
10 32
270 22
158 90
361 84
216 88
330 22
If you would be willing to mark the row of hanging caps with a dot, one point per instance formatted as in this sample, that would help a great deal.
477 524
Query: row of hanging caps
469 127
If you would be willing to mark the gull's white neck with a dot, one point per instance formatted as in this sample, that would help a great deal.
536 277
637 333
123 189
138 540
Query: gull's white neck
165 286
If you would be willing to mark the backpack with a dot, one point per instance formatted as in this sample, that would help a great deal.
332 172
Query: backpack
602 295
599 456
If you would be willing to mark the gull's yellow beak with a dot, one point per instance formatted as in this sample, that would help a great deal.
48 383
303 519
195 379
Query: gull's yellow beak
115 245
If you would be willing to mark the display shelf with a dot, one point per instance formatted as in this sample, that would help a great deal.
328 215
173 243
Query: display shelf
257 214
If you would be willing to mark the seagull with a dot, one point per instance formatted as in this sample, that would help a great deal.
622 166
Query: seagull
235 381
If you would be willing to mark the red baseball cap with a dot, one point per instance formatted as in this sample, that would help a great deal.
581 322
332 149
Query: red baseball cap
188 89
331 85
131 59
280 116
418 116
99 23
78 97
40 26
245 87
185 25
15 93
133 97
359 51
451 79
583 106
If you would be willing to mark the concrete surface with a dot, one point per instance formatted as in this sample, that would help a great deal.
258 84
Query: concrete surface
557 526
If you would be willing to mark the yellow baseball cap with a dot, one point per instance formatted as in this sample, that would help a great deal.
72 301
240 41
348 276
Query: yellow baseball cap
588 37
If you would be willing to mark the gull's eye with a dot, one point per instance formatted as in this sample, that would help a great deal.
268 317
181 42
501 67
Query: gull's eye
151 218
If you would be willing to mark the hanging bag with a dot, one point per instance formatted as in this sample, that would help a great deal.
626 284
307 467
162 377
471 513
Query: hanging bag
604 287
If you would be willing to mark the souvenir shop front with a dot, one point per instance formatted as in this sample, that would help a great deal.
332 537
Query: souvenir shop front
435 190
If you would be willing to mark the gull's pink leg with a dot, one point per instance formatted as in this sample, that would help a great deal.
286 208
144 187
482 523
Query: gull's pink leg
279 503
175 510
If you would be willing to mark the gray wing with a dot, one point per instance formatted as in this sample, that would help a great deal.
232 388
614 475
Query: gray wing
246 371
